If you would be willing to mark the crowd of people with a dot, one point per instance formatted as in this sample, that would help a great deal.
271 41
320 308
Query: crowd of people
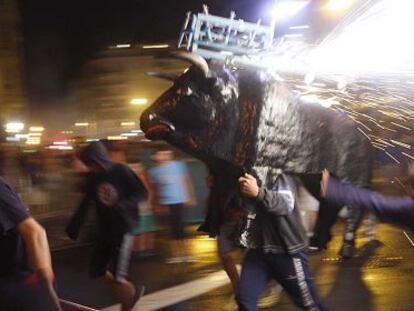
272 228
124 196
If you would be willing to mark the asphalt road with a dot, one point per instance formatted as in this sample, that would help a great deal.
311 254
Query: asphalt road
380 277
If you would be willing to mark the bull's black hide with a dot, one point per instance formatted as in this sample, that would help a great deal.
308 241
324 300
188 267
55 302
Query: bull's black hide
249 120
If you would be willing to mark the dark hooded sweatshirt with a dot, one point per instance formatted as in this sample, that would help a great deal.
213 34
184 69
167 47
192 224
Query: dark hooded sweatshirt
115 192
273 222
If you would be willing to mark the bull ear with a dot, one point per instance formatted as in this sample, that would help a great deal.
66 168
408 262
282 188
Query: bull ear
164 75
193 59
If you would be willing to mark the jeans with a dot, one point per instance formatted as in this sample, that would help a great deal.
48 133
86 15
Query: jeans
291 271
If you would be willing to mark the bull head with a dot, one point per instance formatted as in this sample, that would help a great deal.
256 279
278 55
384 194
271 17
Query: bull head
199 111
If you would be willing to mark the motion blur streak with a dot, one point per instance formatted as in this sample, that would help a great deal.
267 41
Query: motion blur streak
364 68
375 39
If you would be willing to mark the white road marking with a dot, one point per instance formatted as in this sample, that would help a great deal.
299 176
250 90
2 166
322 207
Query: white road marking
179 293
75 306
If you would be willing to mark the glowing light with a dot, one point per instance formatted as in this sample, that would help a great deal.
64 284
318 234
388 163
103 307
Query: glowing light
35 134
285 9
81 124
127 124
117 137
327 103
14 127
155 46
123 46
33 142
54 147
12 139
339 5
129 134
313 98
22 136
36 129
309 78
293 35
61 143
299 27
139 101
377 40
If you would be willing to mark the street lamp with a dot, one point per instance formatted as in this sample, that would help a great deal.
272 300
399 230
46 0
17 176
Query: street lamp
14 127
139 101
128 124
81 124
285 9
36 129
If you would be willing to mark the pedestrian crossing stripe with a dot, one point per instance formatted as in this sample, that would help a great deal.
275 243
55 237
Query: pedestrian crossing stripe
179 293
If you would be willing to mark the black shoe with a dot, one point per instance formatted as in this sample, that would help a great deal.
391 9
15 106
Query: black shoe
347 250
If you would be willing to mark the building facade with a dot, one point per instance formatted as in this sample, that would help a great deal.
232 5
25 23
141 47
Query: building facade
115 88
12 99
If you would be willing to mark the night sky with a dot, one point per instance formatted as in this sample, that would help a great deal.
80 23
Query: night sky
59 36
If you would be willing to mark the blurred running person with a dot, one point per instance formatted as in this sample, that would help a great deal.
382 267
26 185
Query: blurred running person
144 244
26 275
116 191
395 210
173 188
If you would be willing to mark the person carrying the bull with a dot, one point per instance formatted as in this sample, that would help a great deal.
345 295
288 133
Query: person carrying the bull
276 243
226 246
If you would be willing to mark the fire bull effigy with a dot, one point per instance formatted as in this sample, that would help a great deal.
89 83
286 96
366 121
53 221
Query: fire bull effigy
237 120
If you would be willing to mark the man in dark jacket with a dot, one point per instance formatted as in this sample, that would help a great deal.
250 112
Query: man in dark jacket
115 191
277 244
26 275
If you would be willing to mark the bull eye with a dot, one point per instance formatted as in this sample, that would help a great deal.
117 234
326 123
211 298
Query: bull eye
185 91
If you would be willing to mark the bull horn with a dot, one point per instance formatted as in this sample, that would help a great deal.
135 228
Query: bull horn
164 75
193 59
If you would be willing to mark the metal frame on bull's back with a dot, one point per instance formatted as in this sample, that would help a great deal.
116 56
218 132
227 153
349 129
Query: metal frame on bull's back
231 40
